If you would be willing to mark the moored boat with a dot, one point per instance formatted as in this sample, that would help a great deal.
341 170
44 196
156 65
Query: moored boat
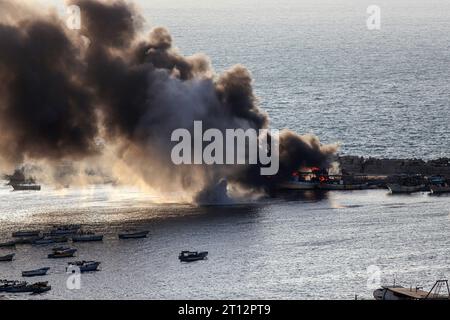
340 185
65 230
439 185
25 233
399 188
22 287
87 237
7 258
190 256
133 235
7 284
26 187
440 189
85 266
35 273
50 240
297 185
28 240
9 244
62 253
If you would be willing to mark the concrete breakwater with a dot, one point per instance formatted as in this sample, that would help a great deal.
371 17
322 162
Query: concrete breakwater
386 167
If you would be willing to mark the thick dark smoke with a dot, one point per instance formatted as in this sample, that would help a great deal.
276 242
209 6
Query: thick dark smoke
107 94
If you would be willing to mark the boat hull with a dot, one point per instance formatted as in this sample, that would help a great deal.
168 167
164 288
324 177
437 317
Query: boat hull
24 234
88 267
64 254
87 238
397 188
21 187
35 273
192 258
7 258
137 235
439 189
332 186
10 244
297 185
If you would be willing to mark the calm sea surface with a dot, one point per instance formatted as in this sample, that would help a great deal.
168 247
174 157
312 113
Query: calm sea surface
317 69
297 246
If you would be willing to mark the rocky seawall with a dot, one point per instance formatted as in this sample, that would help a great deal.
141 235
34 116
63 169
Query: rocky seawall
375 166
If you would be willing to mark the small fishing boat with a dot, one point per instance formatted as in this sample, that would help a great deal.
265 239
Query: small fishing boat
439 185
9 244
400 188
65 230
87 237
440 189
28 240
85 266
22 287
35 273
26 187
62 253
297 185
190 256
50 240
7 258
40 287
5 284
133 235
24 234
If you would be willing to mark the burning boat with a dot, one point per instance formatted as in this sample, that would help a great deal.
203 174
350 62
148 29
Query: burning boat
320 179
300 181
20 182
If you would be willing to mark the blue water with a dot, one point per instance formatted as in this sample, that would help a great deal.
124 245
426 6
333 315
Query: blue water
318 69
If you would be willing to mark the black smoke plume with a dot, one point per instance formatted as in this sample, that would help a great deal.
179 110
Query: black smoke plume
108 94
